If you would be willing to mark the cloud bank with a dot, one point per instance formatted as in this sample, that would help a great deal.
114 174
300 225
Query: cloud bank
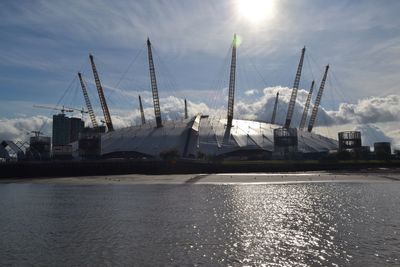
20 128
371 110
376 117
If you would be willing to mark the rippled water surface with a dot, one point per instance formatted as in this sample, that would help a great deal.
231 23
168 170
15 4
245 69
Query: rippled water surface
283 225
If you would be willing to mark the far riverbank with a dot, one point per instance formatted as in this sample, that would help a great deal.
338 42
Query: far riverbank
156 167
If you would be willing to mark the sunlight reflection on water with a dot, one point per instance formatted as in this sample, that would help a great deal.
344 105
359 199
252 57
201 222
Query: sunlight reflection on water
285 225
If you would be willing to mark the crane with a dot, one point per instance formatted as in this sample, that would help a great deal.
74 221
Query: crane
142 111
63 109
293 97
87 101
106 112
36 133
154 89
317 101
306 107
232 77
275 108
81 110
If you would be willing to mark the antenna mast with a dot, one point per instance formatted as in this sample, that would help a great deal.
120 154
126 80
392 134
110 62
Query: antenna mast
87 101
154 90
103 102
293 97
317 101
186 110
141 111
306 107
232 84
275 108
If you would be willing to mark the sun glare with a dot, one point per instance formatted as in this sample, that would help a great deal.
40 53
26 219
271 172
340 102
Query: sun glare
255 10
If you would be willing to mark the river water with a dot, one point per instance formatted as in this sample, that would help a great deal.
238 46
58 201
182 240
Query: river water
329 224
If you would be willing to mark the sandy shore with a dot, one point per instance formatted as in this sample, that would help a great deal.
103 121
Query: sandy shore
226 178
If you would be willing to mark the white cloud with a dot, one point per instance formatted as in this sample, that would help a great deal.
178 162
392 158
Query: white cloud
20 128
370 110
371 134
250 92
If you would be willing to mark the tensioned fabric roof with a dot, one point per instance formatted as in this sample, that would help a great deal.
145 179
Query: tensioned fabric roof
205 134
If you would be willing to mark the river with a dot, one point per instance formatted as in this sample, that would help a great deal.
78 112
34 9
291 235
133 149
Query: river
329 224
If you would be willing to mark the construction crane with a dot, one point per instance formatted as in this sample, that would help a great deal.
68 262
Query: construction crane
186 110
293 97
232 77
28 132
275 108
87 101
317 101
306 107
63 109
154 89
103 102
81 110
142 111
36 133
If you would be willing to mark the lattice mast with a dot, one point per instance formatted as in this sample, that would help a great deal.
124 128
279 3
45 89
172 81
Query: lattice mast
231 95
154 90
186 110
141 111
87 101
100 91
306 107
275 108
314 113
293 97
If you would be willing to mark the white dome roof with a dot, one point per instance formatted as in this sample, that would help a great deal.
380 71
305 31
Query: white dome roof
206 135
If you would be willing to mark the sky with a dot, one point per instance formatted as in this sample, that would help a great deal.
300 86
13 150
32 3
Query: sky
45 43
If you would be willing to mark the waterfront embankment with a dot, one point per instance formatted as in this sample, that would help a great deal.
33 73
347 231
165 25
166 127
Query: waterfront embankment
155 167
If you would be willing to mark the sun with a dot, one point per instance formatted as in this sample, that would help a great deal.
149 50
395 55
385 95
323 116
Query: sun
255 11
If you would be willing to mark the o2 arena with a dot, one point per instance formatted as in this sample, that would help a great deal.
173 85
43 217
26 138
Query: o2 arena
205 136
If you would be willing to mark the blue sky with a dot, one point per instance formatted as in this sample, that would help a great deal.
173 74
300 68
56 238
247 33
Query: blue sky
44 43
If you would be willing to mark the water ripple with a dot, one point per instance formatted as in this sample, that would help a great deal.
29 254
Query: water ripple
227 225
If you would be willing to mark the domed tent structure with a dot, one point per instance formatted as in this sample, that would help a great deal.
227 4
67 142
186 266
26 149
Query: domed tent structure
205 136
